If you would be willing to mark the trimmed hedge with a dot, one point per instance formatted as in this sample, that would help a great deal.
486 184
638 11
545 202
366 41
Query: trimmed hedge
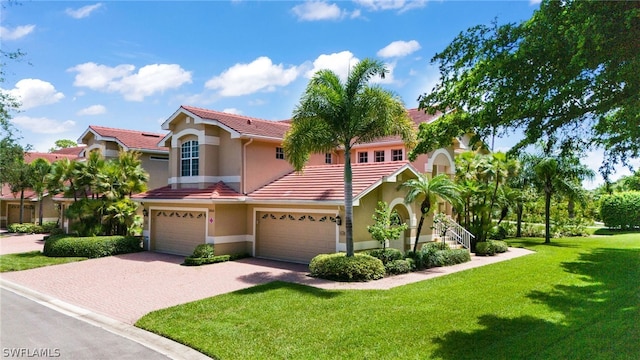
91 247
437 254
401 266
385 255
491 247
621 210
31 228
197 261
339 267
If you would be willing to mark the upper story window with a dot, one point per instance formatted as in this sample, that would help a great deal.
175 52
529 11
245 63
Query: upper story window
279 153
189 158
379 156
363 157
328 158
396 155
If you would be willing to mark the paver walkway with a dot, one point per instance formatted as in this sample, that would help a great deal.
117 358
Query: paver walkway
20 243
126 287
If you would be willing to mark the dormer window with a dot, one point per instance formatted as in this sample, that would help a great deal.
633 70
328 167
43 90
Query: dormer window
189 158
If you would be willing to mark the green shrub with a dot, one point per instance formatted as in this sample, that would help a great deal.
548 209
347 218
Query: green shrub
385 255
455 256
400 266
31 228
196 261
339 267
204 251
498 233
499 246
485 249
91 247
621 210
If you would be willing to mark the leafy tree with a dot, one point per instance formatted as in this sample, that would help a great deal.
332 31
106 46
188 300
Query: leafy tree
386 226
428 191
570 72
334 114
63 144
40 170
20 179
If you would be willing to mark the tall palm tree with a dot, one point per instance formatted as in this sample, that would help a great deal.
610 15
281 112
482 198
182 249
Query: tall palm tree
563 175
40 169
428 191
334 114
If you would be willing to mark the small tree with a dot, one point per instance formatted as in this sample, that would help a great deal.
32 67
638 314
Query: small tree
387 226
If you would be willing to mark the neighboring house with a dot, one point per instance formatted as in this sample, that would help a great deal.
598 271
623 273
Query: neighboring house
10 202
230 185
109 142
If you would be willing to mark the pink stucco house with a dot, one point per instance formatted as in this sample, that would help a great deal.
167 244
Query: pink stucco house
228 184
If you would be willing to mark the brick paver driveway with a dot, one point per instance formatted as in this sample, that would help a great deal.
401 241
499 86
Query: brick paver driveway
19 243
126 287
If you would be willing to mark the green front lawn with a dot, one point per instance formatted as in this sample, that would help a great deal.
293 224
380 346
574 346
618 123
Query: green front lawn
30 260
577 298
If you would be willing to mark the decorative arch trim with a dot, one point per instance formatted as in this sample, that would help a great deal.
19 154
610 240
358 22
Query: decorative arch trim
452 168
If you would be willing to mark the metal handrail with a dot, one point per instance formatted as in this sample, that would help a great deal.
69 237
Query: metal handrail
450 226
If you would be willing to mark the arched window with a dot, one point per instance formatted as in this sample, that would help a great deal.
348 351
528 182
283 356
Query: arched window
189 158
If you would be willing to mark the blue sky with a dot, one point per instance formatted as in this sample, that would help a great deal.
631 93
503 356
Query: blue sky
132 64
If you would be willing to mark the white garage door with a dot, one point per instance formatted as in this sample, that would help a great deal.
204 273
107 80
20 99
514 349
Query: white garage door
296 237
177 232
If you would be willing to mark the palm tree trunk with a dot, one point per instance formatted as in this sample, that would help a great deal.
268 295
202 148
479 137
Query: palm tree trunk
519 212
348 200
40 211
547 217
21 205
415 244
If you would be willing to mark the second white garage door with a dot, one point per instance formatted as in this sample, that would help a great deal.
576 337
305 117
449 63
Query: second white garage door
177 232
296 237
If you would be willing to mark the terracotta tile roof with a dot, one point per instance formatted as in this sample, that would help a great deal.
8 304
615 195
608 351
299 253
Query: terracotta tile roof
326 182
6 194
250 126
50 157
132 139
219 191
243 124
75 150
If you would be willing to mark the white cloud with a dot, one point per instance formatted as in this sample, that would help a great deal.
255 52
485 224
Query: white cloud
534 2
400 5
35 92
83 12
317 10
149 79
18 32
339 63
399 49
259 75
93 110
232 111
43 125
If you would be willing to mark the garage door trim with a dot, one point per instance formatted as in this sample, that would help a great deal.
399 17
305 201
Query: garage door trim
177 208
292 210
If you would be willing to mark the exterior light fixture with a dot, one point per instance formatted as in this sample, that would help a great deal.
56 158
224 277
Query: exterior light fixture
338 220
145 213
